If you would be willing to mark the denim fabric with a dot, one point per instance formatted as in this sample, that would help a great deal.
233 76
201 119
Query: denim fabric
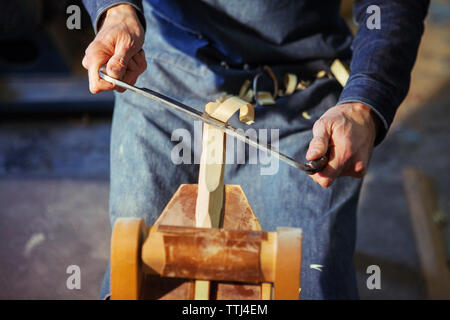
96 8
286 31
143 177
383 58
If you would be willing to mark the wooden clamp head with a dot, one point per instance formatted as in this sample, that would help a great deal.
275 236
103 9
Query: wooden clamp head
207 254
250 256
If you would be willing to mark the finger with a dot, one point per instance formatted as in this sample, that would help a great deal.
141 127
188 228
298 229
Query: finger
319 144
118 64
139 58
327 176
131 74
93 60
130 77
360 167
137 63
96 84
136 66
84 62
356 170
132 65
340 154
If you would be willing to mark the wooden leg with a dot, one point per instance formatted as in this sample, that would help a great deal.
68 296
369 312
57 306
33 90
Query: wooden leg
126 266
266 291
288 263
202 289
430 243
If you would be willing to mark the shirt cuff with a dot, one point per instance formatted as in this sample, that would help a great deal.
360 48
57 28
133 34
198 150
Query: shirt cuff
363 89
103 6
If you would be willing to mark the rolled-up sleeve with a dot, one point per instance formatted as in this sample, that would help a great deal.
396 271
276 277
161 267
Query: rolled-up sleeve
383 58
96 8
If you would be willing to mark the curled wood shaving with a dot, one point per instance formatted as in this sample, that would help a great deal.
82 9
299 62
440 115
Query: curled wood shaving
213 138
290 83
247 114
274 79
302 85
340 72
245 93
321 74
223 97
306 115
244 88
317 267
224 110
265 98
248 96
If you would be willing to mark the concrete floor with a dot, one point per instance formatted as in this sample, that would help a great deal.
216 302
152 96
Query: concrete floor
54 191
54 206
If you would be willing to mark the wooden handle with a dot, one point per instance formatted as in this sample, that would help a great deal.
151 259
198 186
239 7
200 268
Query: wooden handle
317 165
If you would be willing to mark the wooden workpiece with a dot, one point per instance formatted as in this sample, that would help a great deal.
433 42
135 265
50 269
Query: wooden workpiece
208 211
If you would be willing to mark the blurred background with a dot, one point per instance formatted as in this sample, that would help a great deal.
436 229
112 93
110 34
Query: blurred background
54 165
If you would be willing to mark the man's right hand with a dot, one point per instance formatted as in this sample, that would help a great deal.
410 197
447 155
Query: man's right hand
118 46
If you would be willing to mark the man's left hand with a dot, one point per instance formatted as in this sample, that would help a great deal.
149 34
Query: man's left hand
347 132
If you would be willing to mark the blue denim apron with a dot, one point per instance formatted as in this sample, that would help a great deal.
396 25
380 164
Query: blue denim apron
143 177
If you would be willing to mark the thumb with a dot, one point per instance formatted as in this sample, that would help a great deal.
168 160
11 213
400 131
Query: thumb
319 144
117 64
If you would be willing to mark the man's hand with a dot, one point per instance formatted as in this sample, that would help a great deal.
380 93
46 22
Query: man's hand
118 45
348 133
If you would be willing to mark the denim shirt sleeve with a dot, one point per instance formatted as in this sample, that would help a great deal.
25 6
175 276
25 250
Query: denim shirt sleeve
96 8
383 58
